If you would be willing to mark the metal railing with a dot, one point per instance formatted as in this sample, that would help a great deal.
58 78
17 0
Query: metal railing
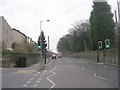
112 61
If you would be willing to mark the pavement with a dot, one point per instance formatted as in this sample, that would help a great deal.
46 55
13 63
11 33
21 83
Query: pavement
63 72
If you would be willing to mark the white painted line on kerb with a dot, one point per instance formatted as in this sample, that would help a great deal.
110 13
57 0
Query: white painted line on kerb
48 78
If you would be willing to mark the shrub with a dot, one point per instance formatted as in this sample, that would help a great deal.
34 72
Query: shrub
24 47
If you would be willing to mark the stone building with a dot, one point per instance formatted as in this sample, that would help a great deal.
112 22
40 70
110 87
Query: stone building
18 37
8 36
5 33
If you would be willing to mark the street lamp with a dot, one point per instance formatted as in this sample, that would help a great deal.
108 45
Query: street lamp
40 35
41 24
118 6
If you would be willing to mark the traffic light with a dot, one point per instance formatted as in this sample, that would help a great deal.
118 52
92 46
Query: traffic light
43 41
39 46
39 43
44 45
100 45
107 43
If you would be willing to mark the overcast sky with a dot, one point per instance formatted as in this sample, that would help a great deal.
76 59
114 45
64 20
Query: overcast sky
25 15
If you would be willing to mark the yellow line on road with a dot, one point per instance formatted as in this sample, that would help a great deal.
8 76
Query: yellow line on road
24 71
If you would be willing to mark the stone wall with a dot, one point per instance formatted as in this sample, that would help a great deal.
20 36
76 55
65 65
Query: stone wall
13 59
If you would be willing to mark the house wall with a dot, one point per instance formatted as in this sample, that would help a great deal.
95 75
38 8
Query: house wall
5 33
0 31
18 37
8 35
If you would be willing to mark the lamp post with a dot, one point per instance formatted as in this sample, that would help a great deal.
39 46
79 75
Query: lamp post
118 6
41 24
40 35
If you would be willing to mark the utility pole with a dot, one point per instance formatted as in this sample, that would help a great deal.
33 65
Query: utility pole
118 5
43 50
116 29
116 17
48 44
49 47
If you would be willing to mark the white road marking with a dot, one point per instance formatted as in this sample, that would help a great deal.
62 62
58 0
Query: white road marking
48 78
105 66
24 71
31 79
45 71
39 78
100 63
35 75
28 82
100 77
38 72
95 75
83 68
35 85
83 62
52 69
37 81
25 85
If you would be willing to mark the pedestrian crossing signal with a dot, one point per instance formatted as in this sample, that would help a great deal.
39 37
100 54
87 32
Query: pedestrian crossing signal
100 45
39 44
107 43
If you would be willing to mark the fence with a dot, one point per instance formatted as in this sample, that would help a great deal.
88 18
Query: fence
112 61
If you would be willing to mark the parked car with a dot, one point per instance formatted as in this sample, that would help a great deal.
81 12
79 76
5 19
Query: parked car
53 56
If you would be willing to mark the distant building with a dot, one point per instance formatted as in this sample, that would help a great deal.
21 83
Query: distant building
5 33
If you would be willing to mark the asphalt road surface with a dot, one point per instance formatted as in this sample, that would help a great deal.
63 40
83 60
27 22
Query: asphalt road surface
63 72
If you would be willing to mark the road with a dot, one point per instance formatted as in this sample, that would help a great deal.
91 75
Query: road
63 72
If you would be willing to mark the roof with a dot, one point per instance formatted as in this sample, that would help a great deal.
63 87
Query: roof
19 32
